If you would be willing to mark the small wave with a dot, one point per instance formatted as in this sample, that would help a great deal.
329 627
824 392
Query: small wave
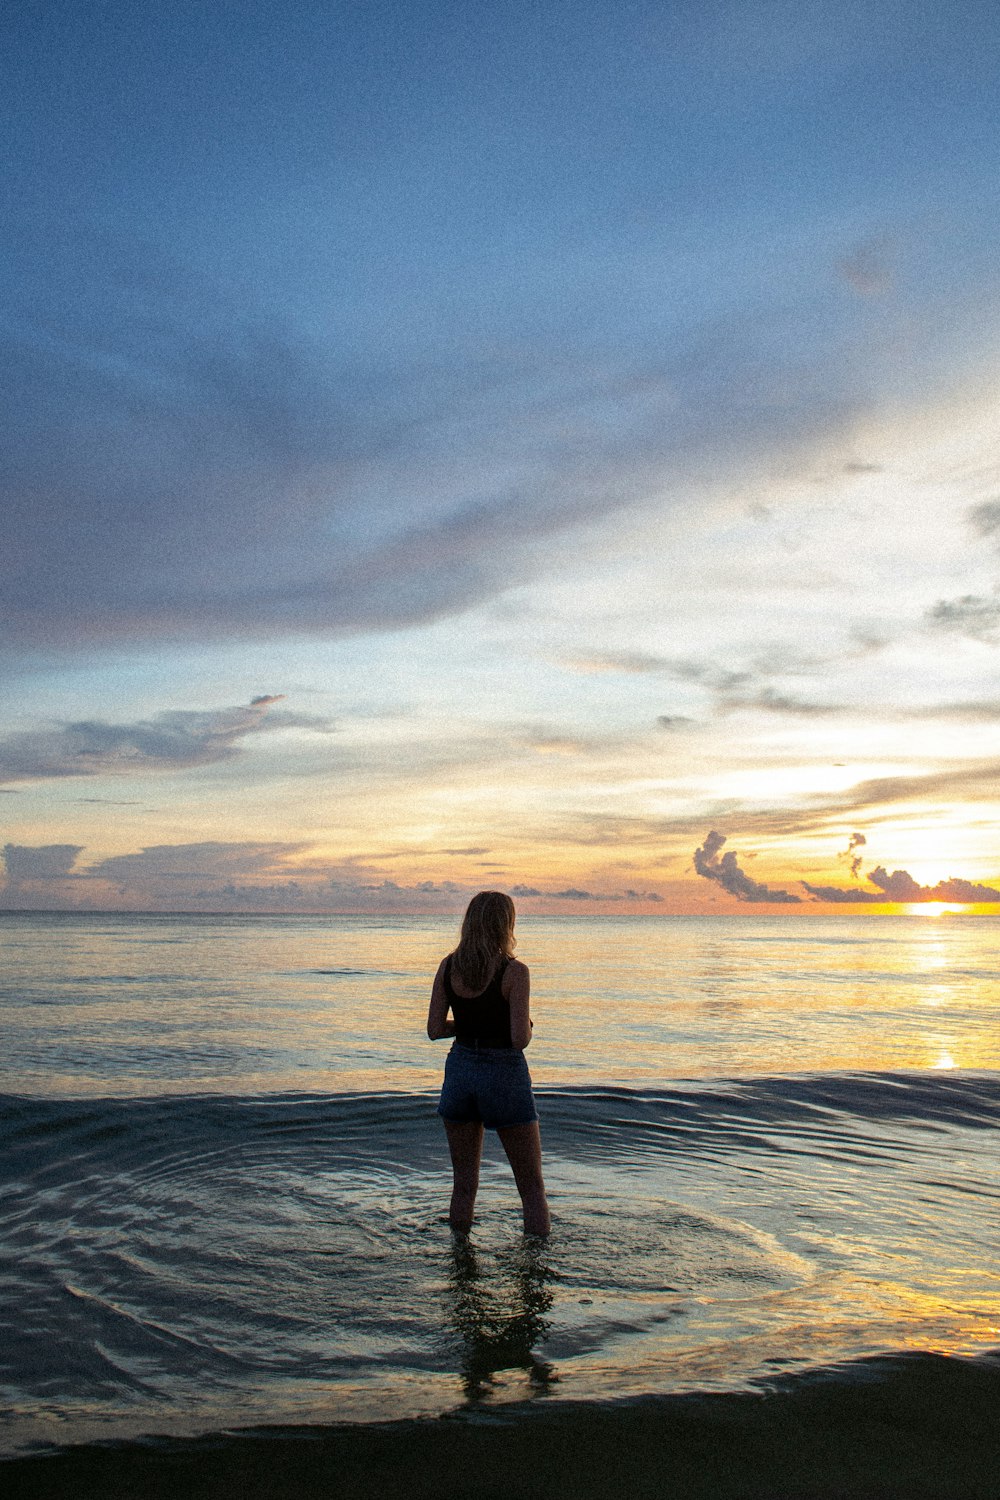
357 973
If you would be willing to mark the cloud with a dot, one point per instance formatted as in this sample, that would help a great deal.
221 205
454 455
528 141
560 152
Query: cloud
727 873
171 741
901 887
26 862
985 518
673 721
970 781
634 663
856 841
771 700
574 893
837 894
243 876
168 863
984 710
182 464
740 688
972 614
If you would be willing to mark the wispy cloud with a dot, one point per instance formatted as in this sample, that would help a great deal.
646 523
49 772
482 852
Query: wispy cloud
967 781
247 876
214 860
855 842
984 518
726 872
632 663
975 615
183 465
575 893
736 689
171 741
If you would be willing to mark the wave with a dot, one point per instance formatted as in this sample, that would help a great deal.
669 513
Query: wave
811 1105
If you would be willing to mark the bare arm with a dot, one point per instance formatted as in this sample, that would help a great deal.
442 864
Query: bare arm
438 1024
516 989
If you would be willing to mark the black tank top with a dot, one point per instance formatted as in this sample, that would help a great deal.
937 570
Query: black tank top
486 1017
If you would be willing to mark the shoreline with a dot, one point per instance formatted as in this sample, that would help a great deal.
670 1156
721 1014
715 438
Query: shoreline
893 1428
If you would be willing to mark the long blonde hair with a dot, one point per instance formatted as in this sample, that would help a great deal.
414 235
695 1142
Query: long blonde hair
487 937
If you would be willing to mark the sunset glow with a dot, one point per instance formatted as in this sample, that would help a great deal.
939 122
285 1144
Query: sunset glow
512 456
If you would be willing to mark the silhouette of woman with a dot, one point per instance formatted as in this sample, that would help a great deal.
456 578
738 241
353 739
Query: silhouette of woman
486 1079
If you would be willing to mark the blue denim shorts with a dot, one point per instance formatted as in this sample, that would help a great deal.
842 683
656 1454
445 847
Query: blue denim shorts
491 1084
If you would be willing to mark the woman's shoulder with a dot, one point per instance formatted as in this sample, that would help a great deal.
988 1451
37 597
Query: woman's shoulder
515 969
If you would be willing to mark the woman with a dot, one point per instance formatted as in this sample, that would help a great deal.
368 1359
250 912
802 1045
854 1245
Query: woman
486 1079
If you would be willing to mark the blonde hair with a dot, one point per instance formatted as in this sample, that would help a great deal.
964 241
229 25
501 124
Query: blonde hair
487 937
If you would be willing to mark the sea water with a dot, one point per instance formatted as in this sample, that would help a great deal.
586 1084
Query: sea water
772 1145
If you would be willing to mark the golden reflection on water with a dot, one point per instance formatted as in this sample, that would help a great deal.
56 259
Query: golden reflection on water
141 1006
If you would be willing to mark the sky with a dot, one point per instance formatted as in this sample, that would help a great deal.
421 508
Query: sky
546 446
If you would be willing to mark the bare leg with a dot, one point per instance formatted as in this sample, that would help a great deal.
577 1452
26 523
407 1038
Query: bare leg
465 1141
523 1145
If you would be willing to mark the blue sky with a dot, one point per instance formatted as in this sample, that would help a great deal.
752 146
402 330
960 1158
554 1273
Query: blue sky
451 446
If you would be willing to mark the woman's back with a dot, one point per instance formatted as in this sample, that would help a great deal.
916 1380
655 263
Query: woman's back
483 1019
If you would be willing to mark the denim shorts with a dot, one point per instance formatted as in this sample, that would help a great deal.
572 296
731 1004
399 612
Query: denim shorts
491 1084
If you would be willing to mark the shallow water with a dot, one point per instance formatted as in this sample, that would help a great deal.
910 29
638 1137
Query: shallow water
129 1005
225 1181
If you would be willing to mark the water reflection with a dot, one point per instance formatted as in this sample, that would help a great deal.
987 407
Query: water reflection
498 1307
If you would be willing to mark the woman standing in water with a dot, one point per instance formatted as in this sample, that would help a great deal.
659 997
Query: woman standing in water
486 1079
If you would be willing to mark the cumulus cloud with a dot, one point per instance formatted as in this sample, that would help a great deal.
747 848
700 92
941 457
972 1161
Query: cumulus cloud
900 886
725 871
171 741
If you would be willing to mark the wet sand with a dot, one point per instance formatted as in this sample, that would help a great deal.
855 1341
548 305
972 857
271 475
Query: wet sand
915 1426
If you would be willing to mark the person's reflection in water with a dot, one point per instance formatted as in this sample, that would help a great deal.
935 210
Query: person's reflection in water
500 1317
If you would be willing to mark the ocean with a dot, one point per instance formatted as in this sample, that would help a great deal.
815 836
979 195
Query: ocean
772 1147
